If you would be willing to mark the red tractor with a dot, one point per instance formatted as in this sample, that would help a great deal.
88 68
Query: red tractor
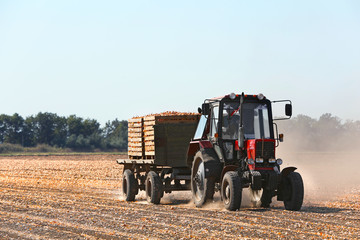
234 148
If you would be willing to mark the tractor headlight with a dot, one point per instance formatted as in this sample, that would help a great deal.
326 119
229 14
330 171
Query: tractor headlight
232 96
250 161
272 160
259 160
279 161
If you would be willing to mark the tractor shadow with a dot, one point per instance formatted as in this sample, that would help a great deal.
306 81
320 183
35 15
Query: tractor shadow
309 209
322 209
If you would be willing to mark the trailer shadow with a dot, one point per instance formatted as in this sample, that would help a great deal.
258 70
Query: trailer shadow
177 202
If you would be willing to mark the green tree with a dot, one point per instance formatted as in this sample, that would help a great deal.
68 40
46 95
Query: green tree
11 129
115 133
84 134
75 125
44 125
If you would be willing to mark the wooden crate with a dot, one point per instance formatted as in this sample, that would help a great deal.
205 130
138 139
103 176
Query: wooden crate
135 138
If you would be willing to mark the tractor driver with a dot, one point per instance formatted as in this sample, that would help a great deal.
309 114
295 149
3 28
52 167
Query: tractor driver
231 118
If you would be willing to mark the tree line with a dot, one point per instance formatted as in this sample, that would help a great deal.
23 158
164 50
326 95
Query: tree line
71 132
302 133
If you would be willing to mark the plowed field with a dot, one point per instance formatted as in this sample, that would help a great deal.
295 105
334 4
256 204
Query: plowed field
78 197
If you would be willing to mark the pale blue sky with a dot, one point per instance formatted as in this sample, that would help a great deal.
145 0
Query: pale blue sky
117 59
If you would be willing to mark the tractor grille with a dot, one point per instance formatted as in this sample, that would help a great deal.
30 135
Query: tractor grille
265 150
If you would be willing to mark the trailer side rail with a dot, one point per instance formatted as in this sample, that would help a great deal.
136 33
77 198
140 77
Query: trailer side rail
135 161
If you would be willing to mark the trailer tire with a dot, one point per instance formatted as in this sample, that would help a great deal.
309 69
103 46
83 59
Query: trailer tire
231 190
129 185
153 188
295 191
202 188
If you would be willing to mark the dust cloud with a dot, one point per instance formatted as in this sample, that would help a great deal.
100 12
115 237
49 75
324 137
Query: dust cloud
327 174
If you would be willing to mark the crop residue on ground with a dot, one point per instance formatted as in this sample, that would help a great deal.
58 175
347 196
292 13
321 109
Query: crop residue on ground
78 197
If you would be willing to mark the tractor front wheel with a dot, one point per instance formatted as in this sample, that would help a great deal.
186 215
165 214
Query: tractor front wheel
231 190
294 189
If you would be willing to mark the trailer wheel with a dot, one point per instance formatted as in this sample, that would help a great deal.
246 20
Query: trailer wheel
231 190
202 188
294 189
153 188
129 185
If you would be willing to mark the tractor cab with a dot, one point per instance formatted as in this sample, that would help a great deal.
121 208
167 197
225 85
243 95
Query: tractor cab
239 126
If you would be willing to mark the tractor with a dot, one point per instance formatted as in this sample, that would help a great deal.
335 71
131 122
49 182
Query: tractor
234 148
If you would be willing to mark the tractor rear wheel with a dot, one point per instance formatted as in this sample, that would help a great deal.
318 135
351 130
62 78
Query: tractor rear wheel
129 185
153 188
294 188
231 190
202 188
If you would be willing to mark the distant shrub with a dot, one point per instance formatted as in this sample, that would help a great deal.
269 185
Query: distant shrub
10 148
40 148
44 148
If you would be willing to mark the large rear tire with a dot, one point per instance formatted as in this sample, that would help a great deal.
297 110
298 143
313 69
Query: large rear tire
202 188
153 188
129 185
295 189
231 190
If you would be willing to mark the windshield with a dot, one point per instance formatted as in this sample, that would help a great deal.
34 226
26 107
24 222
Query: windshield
255 121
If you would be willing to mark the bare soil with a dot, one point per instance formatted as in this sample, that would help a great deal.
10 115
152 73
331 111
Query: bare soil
78 197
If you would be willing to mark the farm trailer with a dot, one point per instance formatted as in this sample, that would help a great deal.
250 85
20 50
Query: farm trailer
228 146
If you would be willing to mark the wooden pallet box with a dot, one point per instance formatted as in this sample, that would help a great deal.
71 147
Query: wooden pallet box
135 138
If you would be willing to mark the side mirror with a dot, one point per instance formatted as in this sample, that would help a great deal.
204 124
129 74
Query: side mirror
288 110
199 110
205 109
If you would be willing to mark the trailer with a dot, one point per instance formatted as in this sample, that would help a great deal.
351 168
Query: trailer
229 145
157 155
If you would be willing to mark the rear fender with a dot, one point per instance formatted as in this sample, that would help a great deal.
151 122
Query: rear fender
194 147
212 163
